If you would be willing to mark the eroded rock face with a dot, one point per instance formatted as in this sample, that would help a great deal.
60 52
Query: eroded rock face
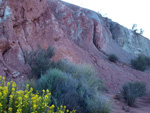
78 35
128 40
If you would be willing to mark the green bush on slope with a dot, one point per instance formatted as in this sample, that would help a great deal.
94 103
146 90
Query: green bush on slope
39 60
112 58
132 90
141 63
75 86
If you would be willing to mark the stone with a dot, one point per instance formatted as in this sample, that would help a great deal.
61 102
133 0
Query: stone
15 74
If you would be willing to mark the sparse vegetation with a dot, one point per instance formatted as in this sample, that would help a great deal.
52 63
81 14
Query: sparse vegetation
39 61
83 73
96 106
75 86
141 31
134 28
141 62
112 58
131 91
137 31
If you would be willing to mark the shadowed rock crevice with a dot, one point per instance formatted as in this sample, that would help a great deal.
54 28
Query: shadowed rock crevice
94 37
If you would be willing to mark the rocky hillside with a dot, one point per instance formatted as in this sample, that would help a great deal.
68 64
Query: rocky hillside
77 34
128 40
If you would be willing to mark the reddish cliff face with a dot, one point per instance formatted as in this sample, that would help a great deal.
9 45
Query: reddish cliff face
78 35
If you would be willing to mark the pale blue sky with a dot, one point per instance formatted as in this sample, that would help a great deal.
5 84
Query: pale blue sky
125 12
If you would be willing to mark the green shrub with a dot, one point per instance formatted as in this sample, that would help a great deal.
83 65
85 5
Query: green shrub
65 90
73 85
132 90
13 101
81 72
99 104
112 58
39 60
139 63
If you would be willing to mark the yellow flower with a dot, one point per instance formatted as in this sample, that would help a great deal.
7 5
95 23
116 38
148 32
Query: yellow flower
8 83
13 89
61 106
67 110
3 78
21 99
34 106
31 89
43 91
27 85
26 96
14 84
46 97
10 109
53 106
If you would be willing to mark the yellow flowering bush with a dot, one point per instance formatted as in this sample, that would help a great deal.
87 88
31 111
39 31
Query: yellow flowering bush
14 101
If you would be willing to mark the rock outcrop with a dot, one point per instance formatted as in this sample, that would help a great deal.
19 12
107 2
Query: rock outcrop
128 40
77 34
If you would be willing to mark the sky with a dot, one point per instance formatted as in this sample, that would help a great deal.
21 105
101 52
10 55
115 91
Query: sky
124 12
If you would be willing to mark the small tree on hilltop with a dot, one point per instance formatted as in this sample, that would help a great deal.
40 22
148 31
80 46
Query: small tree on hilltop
141 31
134 28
